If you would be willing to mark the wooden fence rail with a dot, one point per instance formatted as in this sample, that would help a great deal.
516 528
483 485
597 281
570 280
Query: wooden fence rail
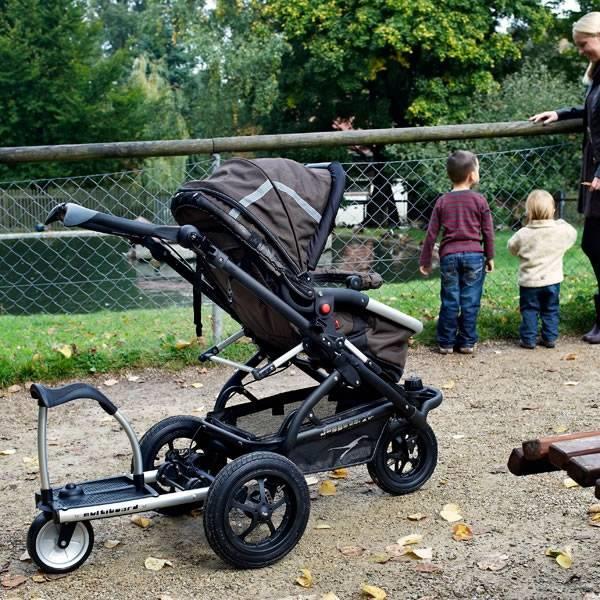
69 152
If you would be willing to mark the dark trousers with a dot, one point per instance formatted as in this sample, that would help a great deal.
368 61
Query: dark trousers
590 244
462 275
542 302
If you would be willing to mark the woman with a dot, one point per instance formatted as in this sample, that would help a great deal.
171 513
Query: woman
586 36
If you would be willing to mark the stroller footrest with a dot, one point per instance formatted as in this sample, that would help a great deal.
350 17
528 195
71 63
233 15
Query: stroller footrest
102 491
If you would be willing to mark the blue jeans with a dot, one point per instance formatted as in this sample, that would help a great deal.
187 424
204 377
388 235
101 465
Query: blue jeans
462 276
542 302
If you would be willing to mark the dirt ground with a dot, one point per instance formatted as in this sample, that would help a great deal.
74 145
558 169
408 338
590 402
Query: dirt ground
493 400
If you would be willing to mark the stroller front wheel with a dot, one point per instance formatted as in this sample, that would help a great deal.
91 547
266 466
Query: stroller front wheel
48 555
405 458
257 510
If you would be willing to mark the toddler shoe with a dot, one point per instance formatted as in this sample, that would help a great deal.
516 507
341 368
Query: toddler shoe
547 343
446 349
466 349
527 345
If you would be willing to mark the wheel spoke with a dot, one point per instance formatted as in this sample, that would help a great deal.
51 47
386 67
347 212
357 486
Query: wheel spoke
271 527
279 503
261 487
247 508
250 528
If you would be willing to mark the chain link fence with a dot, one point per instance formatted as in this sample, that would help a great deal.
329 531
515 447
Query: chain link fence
380 227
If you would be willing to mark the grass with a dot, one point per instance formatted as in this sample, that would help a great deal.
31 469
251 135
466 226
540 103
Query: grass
51 347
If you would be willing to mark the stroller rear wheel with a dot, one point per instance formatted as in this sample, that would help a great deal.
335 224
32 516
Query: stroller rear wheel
404 459
176 437
257 509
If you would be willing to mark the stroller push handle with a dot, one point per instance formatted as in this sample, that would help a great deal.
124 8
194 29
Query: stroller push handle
74 215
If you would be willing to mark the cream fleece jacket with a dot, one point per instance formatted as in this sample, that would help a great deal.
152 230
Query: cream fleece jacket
541 245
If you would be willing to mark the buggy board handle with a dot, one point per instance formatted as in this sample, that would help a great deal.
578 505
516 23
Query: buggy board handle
74 215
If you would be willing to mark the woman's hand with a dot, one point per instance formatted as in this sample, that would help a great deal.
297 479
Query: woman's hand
545 117
593 185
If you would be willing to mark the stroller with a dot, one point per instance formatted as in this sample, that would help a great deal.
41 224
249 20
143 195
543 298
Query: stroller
257 229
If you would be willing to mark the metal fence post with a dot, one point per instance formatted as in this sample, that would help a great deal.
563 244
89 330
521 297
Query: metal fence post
217 311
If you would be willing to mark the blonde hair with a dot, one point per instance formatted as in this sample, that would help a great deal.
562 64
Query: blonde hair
588 25
539 206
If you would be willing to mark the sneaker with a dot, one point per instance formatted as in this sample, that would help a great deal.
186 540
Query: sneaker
466 349
446 349
547 343
527 345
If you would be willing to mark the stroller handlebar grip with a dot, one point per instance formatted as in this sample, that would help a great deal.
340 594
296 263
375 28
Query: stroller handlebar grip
74 215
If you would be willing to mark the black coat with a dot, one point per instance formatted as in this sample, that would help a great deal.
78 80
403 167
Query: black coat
589 202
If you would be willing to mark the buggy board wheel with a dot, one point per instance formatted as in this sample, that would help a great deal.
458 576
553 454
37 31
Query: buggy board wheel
176 435
404 459
42 545
257 509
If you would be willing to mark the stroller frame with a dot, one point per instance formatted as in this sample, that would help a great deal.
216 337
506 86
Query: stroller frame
391 428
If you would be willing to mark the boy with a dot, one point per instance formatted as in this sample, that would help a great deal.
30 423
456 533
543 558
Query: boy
467 244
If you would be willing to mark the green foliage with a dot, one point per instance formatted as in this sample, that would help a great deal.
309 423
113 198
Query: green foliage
396 61
57 87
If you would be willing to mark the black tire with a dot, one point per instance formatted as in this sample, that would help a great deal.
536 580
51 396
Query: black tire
257 509
405 458
172 434
42 545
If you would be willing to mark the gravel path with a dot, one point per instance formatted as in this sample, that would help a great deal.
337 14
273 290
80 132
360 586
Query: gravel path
493 400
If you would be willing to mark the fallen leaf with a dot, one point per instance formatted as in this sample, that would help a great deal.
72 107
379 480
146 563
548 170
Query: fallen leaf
427 567
132 378
8 452
156 564
25 556
564 557
493 562
459 436
311 480
39 578
380 558
461 532
12 581
397 551
327 488
339 474
407 540
65 349
450 513
306 579
569 483
417 516
594 509
140 521
352 551
420 553
111 382
570 382
373 592
322 525
560 429
13 389
449 385
197 385
181 344
329 596
111 544
570 356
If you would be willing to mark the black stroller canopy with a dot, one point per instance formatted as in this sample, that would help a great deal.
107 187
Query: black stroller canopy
281 208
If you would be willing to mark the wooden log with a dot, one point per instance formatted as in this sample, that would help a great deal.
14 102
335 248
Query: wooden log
560 453
254 143
585 470
519 465
535 449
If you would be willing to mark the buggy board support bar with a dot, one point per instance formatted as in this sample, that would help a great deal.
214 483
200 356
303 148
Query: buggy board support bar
278 362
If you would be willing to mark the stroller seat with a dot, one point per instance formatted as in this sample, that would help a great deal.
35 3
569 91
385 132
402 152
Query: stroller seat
272 216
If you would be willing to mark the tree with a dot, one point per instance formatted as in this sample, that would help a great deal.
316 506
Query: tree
57 87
